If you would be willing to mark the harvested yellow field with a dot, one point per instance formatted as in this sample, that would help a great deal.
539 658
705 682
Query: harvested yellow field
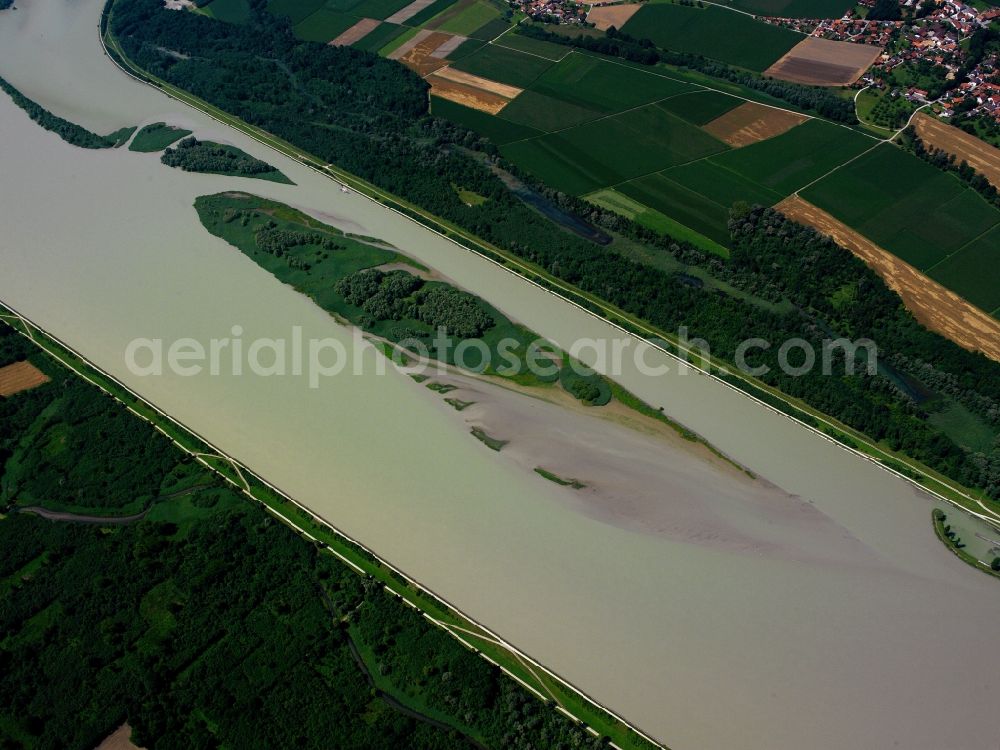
469 96
936 307
980 155
494 87
20 376
605 16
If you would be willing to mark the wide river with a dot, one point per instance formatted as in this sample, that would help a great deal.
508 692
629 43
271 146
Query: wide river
703 647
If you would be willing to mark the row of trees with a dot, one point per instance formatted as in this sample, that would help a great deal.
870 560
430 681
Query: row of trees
68 131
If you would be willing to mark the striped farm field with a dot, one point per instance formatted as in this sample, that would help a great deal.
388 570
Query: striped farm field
908 207
504 65
714 32
612 149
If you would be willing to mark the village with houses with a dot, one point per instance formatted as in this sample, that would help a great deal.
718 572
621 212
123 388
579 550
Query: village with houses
935 38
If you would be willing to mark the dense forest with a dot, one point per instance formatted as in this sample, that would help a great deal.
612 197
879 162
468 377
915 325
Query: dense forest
193 155
369 116
68 131
817 99
210 624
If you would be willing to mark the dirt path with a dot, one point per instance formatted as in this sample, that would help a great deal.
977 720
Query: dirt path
60 515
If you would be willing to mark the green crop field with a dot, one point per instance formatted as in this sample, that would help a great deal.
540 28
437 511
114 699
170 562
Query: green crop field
490 30
612 149
432 10
791 160
380 9
545 113
504 65
496 129
701 107
795 8
701 214
324 25
554 52
604 85
653 219
378 37
295 10
720 184
971 272
714 32
905 205
341 6
471 19
230 11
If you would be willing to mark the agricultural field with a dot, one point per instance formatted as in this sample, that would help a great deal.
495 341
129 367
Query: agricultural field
612 149
231 11
824 62
505 65
908 207
790 161
497 129
751 122
606 16
338 20
981 156
714 32
658 147
700 194
934 306
701 107
604 86
19 377
972 271
794 8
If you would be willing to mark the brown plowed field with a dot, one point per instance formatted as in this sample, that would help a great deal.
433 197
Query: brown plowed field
937 308
824 62
751 122
607 16
980 155
470 96
356 33
20 376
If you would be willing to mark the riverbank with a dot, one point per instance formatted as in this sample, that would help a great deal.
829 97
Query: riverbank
552 581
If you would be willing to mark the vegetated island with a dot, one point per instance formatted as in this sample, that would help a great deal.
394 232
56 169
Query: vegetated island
184 624
156 137
68 131
385 293
193 155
